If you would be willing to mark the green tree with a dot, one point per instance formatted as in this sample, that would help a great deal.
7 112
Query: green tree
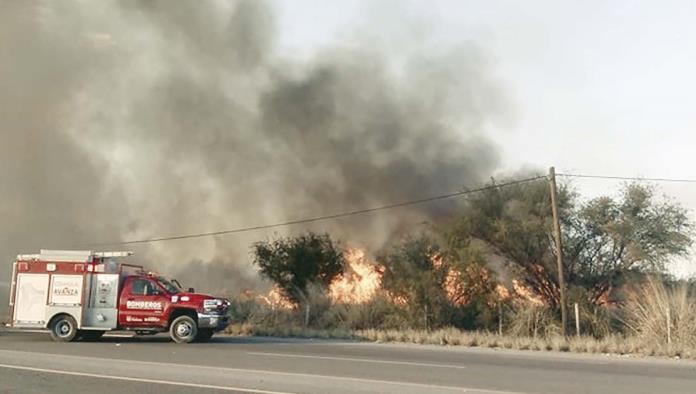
414 276
638 233
297 263
604 239
515 223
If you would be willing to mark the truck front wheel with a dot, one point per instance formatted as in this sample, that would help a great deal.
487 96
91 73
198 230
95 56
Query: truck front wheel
183 329
63 328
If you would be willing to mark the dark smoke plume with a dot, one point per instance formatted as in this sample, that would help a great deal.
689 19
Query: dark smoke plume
127 120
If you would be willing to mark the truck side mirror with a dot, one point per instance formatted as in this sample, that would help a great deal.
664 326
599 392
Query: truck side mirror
191 290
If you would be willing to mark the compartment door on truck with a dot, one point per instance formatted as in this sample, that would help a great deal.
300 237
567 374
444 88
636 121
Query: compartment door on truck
142 304
102 302
30 301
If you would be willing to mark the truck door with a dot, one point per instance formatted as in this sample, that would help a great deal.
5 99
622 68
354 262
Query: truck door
142 304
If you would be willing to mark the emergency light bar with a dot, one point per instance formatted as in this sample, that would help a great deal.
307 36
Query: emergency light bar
112 254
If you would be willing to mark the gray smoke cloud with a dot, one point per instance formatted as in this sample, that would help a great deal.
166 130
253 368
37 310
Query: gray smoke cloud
128 120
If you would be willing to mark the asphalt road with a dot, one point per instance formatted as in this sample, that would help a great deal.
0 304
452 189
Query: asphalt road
32 363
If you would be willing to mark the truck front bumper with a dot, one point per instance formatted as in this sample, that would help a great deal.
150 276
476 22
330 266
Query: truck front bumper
216 322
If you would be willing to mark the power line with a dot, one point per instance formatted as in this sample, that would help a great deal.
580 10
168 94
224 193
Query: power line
326 217
625 178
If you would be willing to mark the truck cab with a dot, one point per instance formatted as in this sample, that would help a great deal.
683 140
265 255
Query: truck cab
81 294
151 303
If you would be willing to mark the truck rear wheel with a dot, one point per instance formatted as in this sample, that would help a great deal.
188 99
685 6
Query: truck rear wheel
183 329
63 328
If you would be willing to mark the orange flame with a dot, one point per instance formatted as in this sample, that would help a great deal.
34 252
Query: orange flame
360 281
503 292
455 288
275 299
453 284
523 292
357 285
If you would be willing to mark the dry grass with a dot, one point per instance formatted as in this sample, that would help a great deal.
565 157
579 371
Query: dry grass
657 312
639 328
614 344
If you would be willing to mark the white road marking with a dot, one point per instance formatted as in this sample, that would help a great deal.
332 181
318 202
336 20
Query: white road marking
142 380
280 373
363 360
44 331
565 357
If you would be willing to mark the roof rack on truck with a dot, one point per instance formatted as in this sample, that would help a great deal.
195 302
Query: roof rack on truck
71 256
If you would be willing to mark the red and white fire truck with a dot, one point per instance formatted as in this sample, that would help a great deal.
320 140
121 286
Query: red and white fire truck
83 294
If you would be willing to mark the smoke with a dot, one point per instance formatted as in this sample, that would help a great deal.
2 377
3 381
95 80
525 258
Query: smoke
127 120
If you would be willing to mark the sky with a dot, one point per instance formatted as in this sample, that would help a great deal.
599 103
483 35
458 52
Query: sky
593 87
509 86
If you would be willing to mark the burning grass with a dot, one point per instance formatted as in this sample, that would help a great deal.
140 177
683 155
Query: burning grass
528 326
355 307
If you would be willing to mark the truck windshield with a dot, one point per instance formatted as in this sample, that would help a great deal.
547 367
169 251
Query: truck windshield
171 287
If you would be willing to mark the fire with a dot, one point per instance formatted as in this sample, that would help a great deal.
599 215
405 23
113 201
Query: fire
455 288
503 292
453 284
360 281
463 285
275 299
523 292
357 285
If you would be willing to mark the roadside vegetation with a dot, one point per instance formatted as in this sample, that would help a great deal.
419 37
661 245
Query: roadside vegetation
643 334
488 277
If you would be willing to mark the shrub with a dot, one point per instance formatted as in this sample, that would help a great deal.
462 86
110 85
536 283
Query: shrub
530 320
413 277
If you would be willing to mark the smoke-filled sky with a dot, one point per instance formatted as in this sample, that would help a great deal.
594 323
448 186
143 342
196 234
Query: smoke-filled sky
586 78
138 119
599 87
134 119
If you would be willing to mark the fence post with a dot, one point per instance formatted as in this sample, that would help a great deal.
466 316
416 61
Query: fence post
577 320
425 316
669 327
306 317
500 319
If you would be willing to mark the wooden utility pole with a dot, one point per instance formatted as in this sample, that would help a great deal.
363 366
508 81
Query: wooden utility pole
559 248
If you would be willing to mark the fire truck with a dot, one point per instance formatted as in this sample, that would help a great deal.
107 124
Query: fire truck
83 294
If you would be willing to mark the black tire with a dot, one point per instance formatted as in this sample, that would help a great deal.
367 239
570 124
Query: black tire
63 328
204 334
91 335
183 330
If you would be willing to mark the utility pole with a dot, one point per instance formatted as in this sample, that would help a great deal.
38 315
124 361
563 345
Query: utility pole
559 248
